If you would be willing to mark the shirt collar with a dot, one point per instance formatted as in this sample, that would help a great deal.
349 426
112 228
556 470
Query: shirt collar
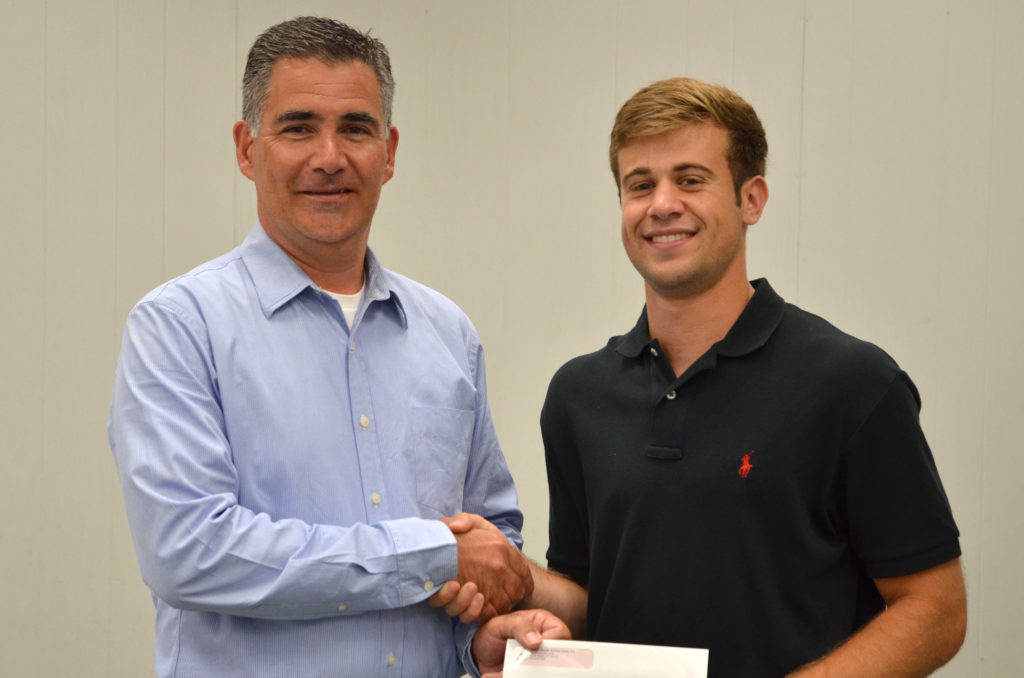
750 332
278 279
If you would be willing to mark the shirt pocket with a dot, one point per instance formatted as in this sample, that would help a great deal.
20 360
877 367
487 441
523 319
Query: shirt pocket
442 438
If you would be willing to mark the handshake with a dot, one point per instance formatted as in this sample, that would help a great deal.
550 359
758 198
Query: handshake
493 577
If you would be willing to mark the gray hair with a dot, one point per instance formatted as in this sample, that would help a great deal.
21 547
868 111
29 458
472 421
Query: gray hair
308 37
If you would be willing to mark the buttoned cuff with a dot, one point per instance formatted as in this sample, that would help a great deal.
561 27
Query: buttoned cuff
427 556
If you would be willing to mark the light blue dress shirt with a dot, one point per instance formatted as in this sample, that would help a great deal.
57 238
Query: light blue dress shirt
283 473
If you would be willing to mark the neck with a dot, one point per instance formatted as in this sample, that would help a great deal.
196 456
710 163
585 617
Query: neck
336 266
338 278
686 327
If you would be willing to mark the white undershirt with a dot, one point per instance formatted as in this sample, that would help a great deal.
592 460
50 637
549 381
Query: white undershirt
349 303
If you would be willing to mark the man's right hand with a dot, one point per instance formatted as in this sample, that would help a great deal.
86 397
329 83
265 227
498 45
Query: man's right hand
488 563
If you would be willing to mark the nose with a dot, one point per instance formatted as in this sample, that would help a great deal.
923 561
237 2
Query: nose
328 154
666 202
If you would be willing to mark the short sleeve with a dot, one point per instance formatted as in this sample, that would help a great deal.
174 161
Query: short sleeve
900 519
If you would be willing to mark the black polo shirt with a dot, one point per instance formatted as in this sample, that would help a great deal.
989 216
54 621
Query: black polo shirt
745 506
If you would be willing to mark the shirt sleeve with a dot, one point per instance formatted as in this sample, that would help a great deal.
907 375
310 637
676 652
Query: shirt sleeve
197 547
900 521
568 527
489 492
489 488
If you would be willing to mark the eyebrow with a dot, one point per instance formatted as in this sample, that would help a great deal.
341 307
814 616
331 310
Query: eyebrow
306 116
681 167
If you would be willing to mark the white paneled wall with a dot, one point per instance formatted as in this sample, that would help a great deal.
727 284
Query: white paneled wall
894 128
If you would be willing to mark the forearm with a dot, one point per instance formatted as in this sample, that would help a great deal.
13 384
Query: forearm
241 563
559 595
912 637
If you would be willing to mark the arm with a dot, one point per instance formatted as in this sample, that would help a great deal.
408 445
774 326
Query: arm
921 629
198 546
557 593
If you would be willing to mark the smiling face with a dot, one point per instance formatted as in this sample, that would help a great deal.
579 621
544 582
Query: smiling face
319 160
681 225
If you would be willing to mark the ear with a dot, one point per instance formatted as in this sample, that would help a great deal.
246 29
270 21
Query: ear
243 147
392 148
753 198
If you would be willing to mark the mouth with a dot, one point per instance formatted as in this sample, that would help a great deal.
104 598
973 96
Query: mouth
669 238
327 196
327 191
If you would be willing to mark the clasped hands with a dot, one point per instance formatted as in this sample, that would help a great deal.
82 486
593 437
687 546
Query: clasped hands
493 576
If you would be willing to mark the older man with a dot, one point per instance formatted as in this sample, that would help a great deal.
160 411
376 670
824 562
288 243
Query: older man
294 425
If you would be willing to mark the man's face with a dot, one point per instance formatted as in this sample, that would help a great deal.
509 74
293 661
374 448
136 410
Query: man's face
681 225
319 159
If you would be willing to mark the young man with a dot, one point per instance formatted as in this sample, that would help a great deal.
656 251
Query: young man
294 425
735 473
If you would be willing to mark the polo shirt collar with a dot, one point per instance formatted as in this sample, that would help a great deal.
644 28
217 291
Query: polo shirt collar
278 279
637 339
750 332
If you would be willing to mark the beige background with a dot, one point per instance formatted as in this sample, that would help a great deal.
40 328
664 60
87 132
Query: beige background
896 146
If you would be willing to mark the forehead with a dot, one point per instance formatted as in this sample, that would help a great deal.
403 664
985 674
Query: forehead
702 143
311 84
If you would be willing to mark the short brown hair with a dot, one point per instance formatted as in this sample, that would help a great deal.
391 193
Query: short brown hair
670 104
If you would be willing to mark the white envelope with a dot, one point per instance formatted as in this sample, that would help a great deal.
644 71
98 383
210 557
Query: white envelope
586 659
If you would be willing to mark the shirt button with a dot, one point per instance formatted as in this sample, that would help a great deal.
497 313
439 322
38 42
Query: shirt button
342 607
654 352
671 395
375 498
392 659
428 585
352 347
364 421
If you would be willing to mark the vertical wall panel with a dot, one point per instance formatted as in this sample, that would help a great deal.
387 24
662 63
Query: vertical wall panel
141 166
955 409
79 264
449 184
561 219
1002 551
647 50
827 192
363 14
22 312
200 94
139 257
893 254
774 87
254 16
418 36
710 40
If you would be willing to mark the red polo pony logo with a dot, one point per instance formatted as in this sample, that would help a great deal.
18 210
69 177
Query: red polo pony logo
745 466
